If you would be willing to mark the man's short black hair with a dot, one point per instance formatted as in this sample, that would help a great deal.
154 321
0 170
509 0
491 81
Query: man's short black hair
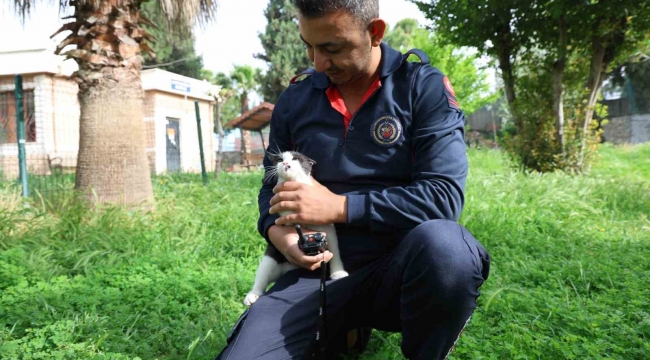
363 10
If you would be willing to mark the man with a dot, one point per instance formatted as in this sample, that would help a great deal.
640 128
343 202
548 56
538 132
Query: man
387 138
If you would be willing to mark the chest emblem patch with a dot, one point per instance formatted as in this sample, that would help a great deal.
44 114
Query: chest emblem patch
386 130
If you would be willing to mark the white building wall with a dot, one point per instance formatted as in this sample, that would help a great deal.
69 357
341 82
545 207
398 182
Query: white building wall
57 110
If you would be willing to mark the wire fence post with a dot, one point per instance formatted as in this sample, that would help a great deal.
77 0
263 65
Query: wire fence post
20 129
198 126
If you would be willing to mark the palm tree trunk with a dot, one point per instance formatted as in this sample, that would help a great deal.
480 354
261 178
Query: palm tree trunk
112 164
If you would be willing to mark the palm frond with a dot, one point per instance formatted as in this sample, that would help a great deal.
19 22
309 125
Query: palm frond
24 8
180 14
187 13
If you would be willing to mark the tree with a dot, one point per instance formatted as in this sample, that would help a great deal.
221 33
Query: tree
470 83
110 39
284 52
401 37
597 36
611 33
563 45
174 49
244 78
223 94
491 26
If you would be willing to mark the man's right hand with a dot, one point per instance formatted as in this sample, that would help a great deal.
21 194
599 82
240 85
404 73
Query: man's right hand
285 239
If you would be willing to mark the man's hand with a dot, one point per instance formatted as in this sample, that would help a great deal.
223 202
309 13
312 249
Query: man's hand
285 239
314 205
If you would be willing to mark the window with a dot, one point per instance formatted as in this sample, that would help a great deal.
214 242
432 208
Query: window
8 129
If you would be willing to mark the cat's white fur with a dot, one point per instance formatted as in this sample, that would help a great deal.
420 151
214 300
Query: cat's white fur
269 270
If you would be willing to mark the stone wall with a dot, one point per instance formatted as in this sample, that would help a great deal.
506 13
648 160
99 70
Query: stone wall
634 129
640 128
483 120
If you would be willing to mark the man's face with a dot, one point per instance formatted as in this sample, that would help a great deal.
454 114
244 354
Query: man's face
337 45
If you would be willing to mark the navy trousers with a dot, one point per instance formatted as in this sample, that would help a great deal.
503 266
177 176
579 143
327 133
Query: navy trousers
424 285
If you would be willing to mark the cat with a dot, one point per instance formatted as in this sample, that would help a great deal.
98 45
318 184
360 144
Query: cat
291 166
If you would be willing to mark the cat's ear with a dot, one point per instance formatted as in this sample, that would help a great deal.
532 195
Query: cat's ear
273 156
310 161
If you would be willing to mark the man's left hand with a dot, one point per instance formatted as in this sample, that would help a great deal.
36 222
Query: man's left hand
314 205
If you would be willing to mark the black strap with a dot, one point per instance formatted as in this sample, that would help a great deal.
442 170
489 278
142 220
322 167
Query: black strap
321 335
424 59
317 349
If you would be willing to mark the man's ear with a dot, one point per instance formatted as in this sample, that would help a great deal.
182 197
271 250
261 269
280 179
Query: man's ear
377 29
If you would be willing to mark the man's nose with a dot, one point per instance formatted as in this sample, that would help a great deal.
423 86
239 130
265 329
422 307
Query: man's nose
321 63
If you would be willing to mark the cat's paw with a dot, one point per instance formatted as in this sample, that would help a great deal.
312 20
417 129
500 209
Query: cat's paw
251 298
339 274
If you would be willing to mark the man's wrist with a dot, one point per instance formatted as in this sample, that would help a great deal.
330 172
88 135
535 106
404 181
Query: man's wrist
343 210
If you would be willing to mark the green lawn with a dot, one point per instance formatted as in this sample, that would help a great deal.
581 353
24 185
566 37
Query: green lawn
570 273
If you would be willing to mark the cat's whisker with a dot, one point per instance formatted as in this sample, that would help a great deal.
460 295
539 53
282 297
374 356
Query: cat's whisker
271 173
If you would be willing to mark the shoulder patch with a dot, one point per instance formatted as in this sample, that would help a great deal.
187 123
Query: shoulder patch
452 101
302 76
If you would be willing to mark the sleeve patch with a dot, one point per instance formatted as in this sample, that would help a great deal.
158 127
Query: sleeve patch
452 101
448 87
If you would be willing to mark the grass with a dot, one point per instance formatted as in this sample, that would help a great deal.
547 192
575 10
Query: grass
570 275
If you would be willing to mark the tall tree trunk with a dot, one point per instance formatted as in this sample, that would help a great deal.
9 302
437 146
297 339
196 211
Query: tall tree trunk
112 161
504 52
606 46
593 85
112 165
558 72
245 134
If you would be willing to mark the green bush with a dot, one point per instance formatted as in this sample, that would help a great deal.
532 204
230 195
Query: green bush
535 146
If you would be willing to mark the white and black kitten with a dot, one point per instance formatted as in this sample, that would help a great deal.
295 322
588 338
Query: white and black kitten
292 166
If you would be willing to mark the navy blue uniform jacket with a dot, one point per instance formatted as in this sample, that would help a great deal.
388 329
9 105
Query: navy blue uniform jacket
402 160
